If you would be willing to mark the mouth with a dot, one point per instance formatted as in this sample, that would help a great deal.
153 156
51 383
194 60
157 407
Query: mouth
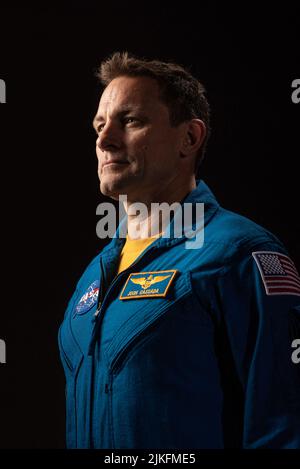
114 164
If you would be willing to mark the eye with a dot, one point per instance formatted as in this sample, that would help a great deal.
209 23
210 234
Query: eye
99 128
130 120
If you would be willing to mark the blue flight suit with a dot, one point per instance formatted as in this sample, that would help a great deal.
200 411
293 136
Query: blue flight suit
208 365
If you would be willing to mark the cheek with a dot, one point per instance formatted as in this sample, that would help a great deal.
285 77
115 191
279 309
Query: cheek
99 154
144 149
148 147
140 148
141 140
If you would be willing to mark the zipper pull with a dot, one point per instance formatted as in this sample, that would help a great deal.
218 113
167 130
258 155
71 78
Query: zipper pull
97 310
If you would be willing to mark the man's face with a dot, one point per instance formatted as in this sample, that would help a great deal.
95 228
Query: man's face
137 149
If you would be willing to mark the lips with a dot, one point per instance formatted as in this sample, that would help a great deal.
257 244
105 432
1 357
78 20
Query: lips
112 162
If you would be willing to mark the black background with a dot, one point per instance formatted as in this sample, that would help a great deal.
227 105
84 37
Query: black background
247 60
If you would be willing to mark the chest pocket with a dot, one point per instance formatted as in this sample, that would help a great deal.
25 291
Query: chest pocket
144 316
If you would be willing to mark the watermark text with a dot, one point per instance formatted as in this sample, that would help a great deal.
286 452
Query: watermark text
296 352
2 91
160 219
296 93
2 351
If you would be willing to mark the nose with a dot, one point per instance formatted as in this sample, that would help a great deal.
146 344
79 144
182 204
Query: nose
109 139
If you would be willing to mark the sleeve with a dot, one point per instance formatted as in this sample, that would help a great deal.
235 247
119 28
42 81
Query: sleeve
258 300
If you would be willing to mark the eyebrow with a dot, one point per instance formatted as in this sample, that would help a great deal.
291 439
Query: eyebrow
123 110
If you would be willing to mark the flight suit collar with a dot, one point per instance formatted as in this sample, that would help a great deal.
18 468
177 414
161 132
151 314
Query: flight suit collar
201 194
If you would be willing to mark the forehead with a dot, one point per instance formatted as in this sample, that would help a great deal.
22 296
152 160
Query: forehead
135 92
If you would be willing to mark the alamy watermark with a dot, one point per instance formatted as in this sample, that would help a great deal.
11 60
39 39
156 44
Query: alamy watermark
295 96
188 221
296 353
2 91
2 351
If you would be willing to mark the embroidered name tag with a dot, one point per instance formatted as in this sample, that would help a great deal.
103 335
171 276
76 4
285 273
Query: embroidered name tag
148 284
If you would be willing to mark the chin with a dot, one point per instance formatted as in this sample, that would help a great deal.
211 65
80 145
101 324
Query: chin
112 188
113 185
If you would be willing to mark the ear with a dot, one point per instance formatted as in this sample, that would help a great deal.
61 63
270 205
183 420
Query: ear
193 138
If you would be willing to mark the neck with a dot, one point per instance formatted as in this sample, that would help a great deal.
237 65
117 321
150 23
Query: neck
145 218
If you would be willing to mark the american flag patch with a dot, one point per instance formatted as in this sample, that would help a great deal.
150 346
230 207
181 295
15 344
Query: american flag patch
278 272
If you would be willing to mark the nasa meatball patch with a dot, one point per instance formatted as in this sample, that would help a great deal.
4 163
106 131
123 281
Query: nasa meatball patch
88 300
278 273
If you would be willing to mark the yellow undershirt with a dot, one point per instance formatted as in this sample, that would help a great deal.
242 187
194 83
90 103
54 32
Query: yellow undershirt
132 249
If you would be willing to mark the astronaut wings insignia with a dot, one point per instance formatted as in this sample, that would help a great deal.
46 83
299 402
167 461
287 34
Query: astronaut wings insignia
145 281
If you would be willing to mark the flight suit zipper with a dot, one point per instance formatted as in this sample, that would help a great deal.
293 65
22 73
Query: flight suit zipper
102 301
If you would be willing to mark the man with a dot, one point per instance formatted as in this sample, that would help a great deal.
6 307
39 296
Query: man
166 346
